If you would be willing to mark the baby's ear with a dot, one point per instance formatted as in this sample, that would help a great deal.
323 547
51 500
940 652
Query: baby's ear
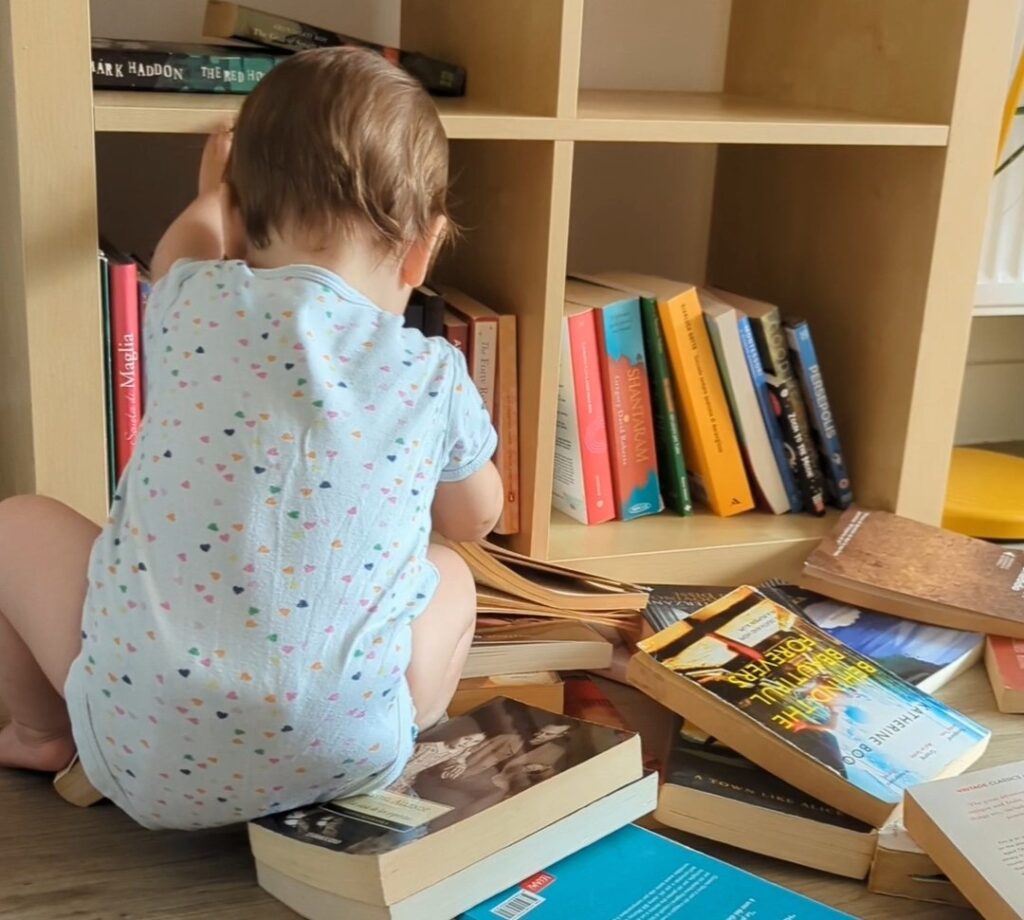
420 255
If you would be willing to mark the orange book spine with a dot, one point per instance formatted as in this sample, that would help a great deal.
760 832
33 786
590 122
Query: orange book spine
710 445
506 419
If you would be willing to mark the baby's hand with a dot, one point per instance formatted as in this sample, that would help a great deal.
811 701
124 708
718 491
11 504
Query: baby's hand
215 159
454 771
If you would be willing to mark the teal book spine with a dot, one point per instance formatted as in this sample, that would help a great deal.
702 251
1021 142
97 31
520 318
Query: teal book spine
668 440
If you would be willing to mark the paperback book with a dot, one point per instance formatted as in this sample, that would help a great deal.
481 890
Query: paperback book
511 645
1004 662
786 695
543 689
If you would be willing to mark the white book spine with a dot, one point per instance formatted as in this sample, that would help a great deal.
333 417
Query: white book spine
567 494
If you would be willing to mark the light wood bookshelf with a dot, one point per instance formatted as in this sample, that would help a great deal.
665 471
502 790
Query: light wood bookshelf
852 145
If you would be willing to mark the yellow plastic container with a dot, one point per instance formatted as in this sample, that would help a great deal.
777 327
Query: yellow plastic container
985 495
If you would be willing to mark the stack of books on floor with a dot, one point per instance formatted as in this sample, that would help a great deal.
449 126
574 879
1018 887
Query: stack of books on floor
669 394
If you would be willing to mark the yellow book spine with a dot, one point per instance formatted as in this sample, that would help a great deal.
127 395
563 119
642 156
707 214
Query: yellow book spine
709 438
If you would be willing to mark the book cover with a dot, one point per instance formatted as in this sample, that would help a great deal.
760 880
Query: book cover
787 405
771 419
771 685
1004 662
581 446
167 68
635 873
890 563
723 328
972 827
804 359
125 332
233 20
627 398
456 331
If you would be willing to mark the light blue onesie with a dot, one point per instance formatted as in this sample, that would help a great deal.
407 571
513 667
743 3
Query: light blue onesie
247 626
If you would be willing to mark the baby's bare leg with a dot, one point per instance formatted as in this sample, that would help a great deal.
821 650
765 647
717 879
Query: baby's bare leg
441 637
44 555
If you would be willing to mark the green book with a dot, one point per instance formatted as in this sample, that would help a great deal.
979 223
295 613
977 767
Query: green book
668 439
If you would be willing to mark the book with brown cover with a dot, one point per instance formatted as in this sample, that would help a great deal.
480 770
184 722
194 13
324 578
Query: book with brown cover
973 827
889 563
543 689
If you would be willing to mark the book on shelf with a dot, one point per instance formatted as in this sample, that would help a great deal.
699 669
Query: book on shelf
233 20
433 307
543 689
178 68
714 463
723 322
972 827
786 402
913 570
1004 662
103 263
126 347
582 479
713 792
901 869
771 343
804 361
627 397
456 331
512 645
475 785
668 437
786 695
482 347
462 890
928 657
635 873
413 316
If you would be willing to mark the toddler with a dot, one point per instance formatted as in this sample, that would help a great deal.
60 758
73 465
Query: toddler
265 621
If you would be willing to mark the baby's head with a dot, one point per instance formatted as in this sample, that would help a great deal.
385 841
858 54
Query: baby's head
335 145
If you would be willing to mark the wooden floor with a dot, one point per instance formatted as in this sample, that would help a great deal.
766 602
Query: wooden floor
62 863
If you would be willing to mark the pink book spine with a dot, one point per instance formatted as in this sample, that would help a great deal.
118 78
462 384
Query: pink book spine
586 373
124 327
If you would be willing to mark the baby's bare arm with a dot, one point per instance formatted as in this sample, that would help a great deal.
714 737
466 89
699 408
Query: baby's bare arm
468 510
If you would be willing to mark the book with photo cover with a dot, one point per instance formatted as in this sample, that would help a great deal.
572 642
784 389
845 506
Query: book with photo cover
814 712
486 779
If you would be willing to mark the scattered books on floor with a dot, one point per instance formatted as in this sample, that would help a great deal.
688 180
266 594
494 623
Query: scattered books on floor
512 645
514 785
542 689
890 563
972 827
1004 662
637 873
901 869
713 792
789 697
734 395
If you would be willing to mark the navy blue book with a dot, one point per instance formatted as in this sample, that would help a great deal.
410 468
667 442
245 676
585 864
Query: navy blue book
635 873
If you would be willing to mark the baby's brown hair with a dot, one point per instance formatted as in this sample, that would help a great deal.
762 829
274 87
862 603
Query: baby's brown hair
337 140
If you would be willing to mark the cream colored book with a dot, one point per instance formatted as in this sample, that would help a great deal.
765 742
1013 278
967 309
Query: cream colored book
901 869
549 645
543 689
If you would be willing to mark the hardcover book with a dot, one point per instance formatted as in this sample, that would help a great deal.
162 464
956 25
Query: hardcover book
456 331
483 341
890 563
127 344
433 310
635 873
713 792
475 785
627 398
169 68
789 697
233 20
972 827
804 359
1004 662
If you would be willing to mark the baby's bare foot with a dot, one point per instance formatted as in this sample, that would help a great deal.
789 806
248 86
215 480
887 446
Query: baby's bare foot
215 159
29 749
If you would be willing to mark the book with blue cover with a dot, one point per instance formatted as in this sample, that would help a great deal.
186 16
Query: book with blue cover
635 874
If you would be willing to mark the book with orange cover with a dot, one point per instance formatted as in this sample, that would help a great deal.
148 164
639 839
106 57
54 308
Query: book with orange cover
710 446
884 562
1004 661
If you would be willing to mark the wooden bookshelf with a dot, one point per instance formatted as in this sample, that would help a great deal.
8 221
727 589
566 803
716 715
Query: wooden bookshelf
851 146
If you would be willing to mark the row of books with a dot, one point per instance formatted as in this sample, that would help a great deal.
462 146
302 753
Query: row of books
668 393
268 38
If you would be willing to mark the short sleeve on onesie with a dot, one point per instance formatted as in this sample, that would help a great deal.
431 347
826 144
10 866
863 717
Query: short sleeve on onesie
471 438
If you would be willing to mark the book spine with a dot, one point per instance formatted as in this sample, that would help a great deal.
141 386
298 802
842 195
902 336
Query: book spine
456 331
108 373
145 288
667 435
438 77
413 318
799 448
124 324
627 403
507 423
771 421
715 463
483 357
433 315
823 428
568 491
179 71
593 431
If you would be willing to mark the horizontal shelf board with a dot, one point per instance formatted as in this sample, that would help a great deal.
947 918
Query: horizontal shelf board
610 115
999 298
198 113
696 118
1016 309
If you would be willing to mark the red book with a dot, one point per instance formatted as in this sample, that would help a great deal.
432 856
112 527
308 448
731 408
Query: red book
124 329
456 331
1004 661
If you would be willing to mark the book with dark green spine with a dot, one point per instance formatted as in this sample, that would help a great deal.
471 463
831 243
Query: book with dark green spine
181 68
233 20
